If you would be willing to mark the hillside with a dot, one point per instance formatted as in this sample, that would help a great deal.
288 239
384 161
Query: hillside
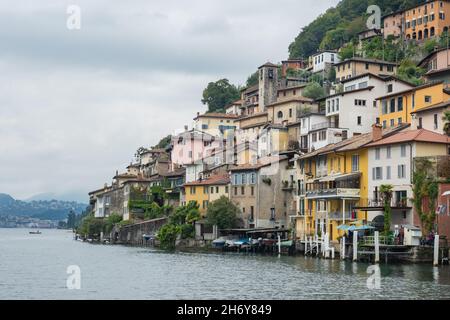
43 209
340 25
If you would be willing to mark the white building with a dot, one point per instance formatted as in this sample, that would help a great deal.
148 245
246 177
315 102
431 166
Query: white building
355 109
390 161
324 59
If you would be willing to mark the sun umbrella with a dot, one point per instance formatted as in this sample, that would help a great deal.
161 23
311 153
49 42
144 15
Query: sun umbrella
360 228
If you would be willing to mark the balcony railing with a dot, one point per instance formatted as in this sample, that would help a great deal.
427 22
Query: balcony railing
378 203
337 192
324 125
340 216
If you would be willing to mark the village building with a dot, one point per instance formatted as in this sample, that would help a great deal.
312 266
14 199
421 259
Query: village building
215 124
396 107
430 117
324 60
356 66
393 24
427 20
390 161
437 66
293 65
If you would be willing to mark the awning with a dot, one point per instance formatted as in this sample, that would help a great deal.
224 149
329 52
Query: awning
338 177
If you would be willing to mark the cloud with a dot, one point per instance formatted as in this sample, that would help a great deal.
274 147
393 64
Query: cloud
75 104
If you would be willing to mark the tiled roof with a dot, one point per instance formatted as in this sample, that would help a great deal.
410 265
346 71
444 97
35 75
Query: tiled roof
299 99
432 107
263 162
268 64
216 115
420 135
430 84
358 59
214 180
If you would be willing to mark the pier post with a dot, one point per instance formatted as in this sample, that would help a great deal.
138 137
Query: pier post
377 247
343 248
311 245
355 245
279 245
306 244
436 250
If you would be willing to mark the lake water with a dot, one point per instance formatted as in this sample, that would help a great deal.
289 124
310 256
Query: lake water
34 267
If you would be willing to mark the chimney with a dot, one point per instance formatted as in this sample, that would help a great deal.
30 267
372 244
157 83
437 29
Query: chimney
377 132
198 114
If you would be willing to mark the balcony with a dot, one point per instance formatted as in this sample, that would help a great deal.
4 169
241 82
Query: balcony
324 125
288 186
339 216
333 193
378 204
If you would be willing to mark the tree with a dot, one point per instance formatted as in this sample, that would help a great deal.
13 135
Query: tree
446 118
222 213
111 221
386 196
410 72
219 94
252 80
167 236
164 142
347 51
313 91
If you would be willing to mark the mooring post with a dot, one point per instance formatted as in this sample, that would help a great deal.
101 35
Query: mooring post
279 245
343 248
377 247
306 244
436 250
355 245
311 244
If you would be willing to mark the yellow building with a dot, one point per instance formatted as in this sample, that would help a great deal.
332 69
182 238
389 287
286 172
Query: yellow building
336 180
216 124
357 66
203 192
396 108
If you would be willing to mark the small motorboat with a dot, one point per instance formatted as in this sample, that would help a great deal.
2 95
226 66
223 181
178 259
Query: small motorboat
219 243
35 232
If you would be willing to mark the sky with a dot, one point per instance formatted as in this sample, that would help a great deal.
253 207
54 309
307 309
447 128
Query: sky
75 104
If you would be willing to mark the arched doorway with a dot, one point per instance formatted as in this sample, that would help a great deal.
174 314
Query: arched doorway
420 35
432 32
425 33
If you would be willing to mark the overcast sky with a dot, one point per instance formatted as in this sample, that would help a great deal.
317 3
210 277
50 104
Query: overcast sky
76 104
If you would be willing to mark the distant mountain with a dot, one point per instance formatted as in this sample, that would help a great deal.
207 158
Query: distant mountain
70 196
43 209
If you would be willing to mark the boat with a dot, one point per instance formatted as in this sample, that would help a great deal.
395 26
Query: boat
219 243
35 232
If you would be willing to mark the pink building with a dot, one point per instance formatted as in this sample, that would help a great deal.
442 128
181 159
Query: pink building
393 24
191 146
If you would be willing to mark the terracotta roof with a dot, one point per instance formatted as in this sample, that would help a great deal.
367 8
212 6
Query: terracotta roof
358 59
380 77
421 135
268 64
214 180
251 88
216 115
263 162
176 173
299 99
293 87
255 115
433 107
124 175
259 124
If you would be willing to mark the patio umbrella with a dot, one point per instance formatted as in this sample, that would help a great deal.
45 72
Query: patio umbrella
343 227
359 228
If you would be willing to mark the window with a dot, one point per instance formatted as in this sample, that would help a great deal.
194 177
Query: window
190 154
413 100
252 191
381 67
367 66
435 121
322 135
390 89
377 154
290 113
420 123
252 178
388 172
384 124
427 99
400 104
358 120
244 178
337 104
403 150
392 122
314 137
242 190
235 191
362 85
212 190
399 120
272 213
388 152
377 173
205 190
192 190
280 114
355 163
390 68
384 106
226 189
401 171
217 189
328 106
392 106
332 105
205 204
204 126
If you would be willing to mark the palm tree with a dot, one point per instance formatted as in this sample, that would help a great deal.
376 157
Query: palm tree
386 196
446 118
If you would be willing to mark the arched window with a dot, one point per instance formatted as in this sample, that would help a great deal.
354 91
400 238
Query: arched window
420 35
432 32
280 115
414 36
425 33
408 36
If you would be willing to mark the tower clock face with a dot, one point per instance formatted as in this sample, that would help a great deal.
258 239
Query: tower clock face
270 73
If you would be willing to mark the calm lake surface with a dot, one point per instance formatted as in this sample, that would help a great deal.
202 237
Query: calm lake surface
34 267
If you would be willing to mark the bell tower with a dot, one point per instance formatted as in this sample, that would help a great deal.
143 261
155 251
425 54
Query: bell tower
268 84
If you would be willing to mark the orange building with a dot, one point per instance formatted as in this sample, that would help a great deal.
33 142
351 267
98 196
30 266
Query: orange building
427 20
